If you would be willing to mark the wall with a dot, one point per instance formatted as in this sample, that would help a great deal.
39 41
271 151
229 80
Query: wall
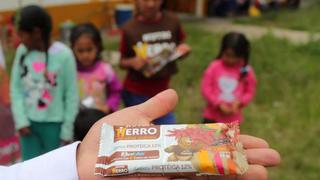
100 12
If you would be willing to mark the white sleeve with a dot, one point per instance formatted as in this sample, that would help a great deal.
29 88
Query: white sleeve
58 164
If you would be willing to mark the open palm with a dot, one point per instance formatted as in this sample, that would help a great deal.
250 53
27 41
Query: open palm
258 152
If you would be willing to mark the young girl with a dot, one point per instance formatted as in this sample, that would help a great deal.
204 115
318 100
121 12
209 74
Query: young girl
99 85
229 83
43 86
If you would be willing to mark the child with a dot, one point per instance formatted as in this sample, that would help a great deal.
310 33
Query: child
9 142
99 85
229 83
43 86
151 30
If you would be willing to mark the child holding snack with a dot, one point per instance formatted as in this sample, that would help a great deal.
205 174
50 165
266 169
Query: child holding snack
229 83
43 86
99 86
148 40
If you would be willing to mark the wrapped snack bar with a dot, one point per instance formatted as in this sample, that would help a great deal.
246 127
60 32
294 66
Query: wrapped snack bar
171 150
160 59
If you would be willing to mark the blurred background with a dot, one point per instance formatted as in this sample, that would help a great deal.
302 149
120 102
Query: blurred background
285 55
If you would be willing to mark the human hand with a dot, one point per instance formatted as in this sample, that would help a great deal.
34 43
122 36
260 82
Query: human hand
181 51
138 63
25 131
104 108
141 114
259 154
225 109
236 106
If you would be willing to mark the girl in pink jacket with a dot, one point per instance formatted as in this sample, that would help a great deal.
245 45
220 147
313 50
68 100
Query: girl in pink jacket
99 87
229 83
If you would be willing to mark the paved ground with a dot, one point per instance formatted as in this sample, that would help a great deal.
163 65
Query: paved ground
252 31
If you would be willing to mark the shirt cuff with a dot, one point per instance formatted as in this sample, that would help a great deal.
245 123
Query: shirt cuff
58 164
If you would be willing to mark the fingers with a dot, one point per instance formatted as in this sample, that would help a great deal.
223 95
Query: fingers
153 178
25 131
159 105
264 156
258 151
250 142
255 172
139 178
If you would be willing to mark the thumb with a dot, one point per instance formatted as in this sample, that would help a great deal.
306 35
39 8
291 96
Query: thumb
159 105
146 112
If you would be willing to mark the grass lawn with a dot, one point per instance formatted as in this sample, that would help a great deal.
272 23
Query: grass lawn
285 110
306 19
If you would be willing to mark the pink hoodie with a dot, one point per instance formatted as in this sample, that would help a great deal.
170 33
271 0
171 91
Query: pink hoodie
99 85
221 84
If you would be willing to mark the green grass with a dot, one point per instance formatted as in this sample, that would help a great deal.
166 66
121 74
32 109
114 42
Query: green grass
285 110
306 19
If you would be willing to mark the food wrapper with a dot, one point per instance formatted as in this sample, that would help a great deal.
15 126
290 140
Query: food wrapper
161 59
171 150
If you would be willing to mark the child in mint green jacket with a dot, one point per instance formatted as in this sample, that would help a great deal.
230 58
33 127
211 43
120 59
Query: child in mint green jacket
43 86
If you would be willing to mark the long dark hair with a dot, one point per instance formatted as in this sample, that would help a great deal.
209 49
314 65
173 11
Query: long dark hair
31 17
84 121
240 46
94 34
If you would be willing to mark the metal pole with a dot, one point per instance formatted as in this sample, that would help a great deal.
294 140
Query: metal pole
200 7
